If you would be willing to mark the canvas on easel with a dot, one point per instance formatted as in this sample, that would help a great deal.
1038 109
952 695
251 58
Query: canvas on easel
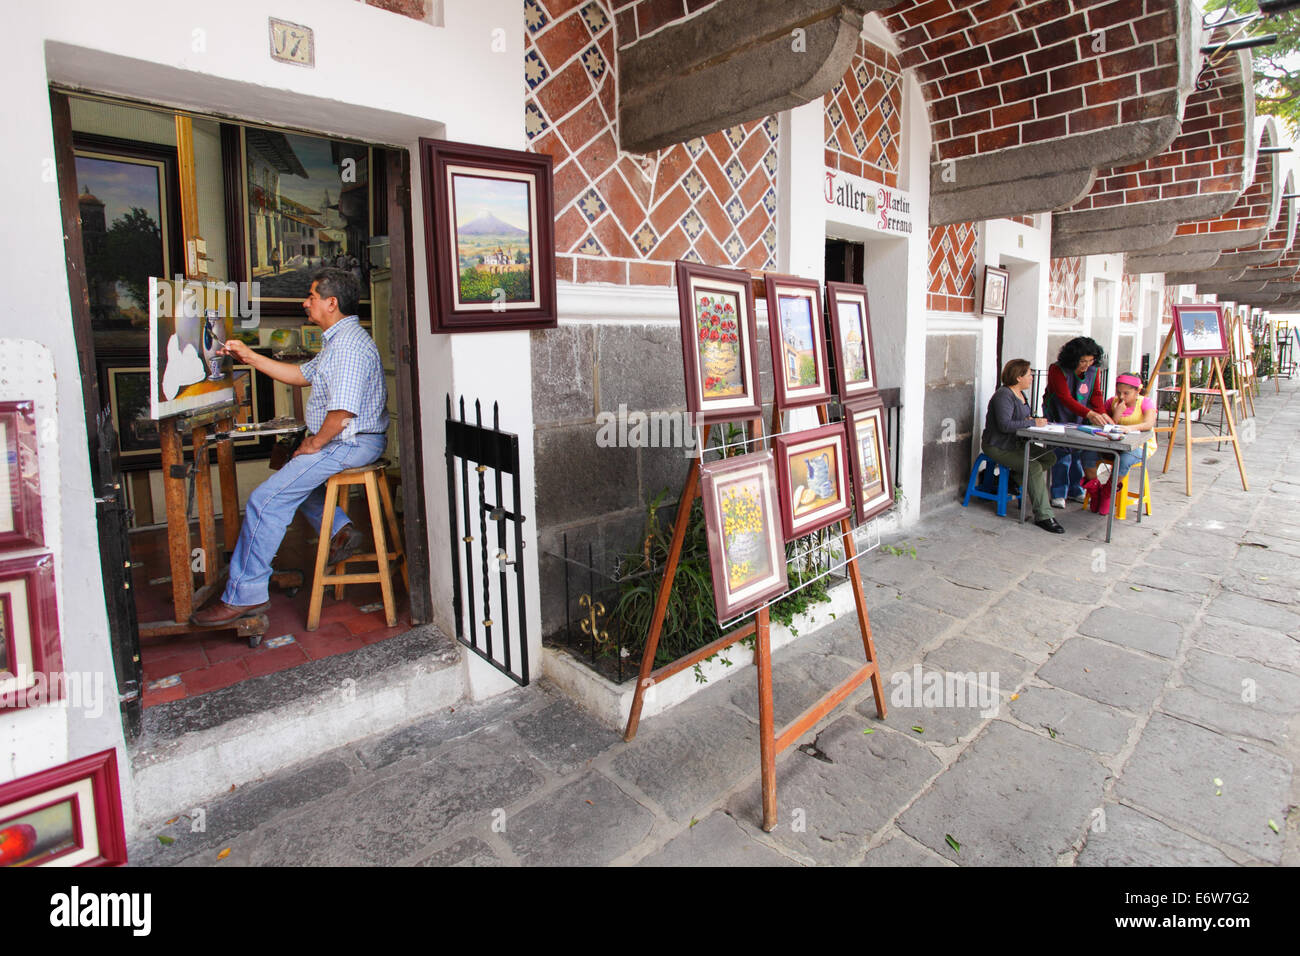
189 323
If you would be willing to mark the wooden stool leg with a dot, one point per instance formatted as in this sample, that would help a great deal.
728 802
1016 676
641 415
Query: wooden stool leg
322 555
381 551
394 533
341 567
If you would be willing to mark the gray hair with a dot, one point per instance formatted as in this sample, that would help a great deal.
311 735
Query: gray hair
340 284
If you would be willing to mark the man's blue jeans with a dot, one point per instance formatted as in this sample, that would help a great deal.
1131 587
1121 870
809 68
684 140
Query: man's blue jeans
273 503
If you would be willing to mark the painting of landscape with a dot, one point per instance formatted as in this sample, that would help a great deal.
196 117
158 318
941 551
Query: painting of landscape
494 253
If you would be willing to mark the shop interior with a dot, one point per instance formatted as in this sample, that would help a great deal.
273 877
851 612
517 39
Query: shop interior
274 205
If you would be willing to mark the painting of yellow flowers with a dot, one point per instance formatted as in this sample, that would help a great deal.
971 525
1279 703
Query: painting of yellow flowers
745 547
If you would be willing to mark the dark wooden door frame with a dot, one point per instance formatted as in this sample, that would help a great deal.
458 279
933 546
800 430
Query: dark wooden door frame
101 444
405 336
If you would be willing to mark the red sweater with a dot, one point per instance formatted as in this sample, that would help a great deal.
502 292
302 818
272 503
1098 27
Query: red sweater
1059 386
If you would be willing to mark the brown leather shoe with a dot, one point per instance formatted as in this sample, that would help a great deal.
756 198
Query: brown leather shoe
345 544
223 613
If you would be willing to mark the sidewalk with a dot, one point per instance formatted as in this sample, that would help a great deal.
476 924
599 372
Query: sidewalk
1155 722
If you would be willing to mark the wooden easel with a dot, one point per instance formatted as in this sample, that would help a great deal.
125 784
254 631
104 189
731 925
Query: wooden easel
1184 413
185 598
770 743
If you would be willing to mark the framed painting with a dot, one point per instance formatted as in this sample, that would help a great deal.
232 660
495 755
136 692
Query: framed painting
296 204
20 479
812 476
996 282
873 486
31 655
489 220
798 336
1201 330
855 358
719 343
313 338
746 551
129 198
70 815
124 381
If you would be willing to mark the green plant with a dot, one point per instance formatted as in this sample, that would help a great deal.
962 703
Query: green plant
899 550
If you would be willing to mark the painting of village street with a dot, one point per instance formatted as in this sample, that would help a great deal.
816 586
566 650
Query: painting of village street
308 209
494 240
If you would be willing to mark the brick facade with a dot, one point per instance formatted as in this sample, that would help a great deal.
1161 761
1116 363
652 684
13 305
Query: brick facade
1207 156
1065 288
625 219
863 117
1253 209
952 268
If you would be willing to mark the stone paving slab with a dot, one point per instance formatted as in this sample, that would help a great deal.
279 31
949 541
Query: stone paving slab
685 764
1240 607
1249 643
1224 714
902 850
798 681
864 780
960 655
1012 632
950 598
564 737
1125 837
716 841
1139 631
1170 606
1107 674
1264 688
1083 588
1181 561
468 852
1074 719
1173 770
588 822
1012 799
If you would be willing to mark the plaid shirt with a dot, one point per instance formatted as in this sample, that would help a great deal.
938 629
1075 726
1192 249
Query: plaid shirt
347 375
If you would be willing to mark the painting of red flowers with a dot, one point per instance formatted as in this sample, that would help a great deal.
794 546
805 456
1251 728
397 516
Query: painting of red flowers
718 342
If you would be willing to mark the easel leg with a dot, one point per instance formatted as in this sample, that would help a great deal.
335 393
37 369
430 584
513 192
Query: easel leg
1187 420
1232 429
203 503
864 621
178 521
766 726
229 488
680 524
1173 433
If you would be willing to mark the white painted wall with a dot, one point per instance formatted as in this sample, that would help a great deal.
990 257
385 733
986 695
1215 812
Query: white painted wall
378 77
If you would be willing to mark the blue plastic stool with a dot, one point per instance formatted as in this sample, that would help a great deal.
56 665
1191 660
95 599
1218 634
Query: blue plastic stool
975 487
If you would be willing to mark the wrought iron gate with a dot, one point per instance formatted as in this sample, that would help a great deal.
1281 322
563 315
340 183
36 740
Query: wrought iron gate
487 449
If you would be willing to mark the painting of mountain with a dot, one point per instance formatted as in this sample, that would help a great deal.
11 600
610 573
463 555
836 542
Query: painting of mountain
494 239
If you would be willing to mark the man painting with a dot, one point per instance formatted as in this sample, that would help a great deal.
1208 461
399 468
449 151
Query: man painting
347 421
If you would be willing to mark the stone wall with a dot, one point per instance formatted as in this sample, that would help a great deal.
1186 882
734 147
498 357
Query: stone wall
950 418
595 494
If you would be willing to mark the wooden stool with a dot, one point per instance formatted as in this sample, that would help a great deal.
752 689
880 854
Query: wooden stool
372 476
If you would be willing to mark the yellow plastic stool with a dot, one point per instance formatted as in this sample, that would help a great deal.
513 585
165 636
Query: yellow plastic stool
1123 496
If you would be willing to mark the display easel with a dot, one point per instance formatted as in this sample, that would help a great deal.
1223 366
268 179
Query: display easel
1184 412
770 743
201 428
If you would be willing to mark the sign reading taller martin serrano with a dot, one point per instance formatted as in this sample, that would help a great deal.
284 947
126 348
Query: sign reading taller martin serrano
855 201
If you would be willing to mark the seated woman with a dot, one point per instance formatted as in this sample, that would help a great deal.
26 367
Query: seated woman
1134 413
1008 413
1073 397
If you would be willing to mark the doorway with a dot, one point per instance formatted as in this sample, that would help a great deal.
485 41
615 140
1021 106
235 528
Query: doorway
274 205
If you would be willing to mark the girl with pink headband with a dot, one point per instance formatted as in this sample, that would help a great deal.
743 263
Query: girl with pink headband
1133 412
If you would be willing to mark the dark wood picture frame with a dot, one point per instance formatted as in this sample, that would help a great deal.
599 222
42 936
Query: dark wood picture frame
240 201
842 299
993 297
781 289
766 540
788 449
171 248
871 496
20 477
96 832
32 658
735 286
1184 351
442 163
141 451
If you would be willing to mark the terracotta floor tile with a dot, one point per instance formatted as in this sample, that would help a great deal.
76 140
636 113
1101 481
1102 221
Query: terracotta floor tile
275 659
215 677
226 646
366 622
156 668
154 697
328 641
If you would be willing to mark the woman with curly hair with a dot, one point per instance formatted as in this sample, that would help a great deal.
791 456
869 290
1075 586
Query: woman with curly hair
1074 397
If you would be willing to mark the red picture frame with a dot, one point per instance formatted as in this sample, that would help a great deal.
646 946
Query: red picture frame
21 525
31 654
71 814
719 343
748 564
855 355
798 336
813 493
873 485
489 217
1194 338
